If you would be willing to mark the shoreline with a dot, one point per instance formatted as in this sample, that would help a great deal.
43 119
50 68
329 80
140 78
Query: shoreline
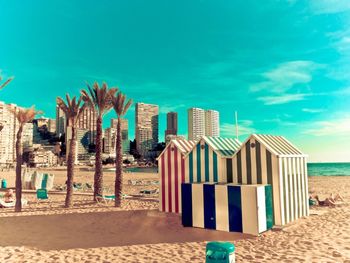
138 232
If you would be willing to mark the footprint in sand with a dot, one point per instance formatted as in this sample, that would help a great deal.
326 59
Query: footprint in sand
336 254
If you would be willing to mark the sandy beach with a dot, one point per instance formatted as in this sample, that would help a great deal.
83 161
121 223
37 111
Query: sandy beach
137 232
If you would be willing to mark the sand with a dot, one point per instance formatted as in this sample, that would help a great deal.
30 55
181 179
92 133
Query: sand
137 232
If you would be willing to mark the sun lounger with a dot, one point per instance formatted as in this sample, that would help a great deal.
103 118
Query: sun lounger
106 199
11 204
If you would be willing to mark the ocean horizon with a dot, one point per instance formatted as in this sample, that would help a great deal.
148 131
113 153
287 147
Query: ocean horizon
314 169
329 169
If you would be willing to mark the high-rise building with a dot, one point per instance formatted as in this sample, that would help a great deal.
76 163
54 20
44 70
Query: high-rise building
8 133
27 135
196 123
52 125
82 143
124 126
146 127
202 122
212 123
110 139
171 124
61 123
86 121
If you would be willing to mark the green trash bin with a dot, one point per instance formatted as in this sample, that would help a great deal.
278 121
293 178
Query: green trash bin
220 252
3 184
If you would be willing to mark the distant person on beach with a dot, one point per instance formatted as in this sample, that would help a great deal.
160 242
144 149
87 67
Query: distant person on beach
329 201
9 196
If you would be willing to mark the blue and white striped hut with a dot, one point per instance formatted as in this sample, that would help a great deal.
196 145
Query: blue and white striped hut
267 159
210 160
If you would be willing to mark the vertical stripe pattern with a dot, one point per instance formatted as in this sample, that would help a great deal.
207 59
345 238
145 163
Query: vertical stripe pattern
259 161
173 170
244 208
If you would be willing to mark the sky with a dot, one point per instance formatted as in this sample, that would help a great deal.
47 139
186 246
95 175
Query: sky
283 65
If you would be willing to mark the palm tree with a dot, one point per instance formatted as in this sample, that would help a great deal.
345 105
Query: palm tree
1 87
120 108
73 108
100 100
23 116
5 83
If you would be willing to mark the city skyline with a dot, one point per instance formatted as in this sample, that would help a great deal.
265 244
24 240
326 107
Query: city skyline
287 78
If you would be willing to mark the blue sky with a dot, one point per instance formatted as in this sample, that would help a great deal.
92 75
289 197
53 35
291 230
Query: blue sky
283 65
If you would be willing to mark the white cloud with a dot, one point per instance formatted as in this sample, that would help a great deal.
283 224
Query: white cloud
282 99
343 44
280 122
168 108
329 6
245 127
312 110
336 127
345 91
285 76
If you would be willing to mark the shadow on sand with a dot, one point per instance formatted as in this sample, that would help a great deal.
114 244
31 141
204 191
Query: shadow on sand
103 229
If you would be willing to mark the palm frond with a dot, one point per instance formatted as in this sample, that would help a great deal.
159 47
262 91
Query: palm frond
6 82
118 104
99 97
127 106
72 108
24 115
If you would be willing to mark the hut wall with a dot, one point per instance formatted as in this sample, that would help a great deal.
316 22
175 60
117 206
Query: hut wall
287 175
171 169
228 207
257 165
203 165
294 188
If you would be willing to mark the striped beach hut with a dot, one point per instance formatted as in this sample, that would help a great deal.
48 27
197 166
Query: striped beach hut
227 207
267 159
171 170
209 160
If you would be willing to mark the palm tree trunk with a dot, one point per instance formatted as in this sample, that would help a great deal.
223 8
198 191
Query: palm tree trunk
118 168
18 207
70 168
98 180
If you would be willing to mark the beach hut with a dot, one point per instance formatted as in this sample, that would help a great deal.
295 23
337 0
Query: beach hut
171 170
267 159
209 160
227 207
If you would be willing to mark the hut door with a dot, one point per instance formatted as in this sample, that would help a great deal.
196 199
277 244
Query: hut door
209 206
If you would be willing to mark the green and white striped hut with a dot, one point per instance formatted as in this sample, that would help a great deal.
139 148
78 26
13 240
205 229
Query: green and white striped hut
267 159
209 160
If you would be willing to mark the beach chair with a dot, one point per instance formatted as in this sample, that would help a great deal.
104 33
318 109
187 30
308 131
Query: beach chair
41 194
106 199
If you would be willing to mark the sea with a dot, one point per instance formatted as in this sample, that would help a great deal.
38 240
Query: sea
328 169
314 169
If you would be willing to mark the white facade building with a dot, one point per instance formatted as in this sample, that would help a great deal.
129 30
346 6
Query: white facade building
8 134
196 123
212 123
146 130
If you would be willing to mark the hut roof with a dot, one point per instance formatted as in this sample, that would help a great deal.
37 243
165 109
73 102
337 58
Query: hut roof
278 145
225 147
183 145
